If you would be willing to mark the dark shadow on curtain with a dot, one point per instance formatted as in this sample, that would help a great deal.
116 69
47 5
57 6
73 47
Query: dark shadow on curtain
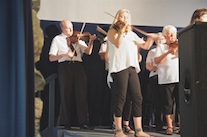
29 67
99 97
47 68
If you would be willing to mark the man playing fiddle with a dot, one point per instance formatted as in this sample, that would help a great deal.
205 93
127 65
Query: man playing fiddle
71 75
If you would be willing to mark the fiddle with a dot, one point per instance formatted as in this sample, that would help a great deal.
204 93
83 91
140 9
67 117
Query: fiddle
126 29
174 44
118 24
85 36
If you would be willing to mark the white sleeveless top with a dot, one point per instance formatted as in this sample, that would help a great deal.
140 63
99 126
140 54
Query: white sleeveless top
123 57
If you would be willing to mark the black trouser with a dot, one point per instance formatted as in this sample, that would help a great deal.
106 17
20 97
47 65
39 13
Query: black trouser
126 110
72 78
153 81
127 107
123 80
170 95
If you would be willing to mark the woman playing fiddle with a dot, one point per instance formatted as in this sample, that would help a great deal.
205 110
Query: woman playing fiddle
167 61
123 69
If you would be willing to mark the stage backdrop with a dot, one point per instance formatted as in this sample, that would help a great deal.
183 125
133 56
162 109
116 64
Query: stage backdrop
144 12
148 15
98 93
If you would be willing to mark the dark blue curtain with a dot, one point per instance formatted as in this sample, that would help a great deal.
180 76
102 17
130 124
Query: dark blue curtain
16 69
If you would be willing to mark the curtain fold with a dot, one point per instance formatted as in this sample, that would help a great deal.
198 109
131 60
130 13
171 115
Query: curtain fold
29 66
15 79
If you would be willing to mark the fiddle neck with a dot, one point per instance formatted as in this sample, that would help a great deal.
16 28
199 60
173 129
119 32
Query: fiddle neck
117 29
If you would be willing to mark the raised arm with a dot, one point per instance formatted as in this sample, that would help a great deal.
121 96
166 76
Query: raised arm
89 49
150 40
115 37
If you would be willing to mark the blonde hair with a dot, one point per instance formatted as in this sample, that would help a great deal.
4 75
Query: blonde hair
160 36
117 15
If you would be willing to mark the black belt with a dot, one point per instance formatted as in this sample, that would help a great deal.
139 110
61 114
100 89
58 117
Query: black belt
69 62
154 77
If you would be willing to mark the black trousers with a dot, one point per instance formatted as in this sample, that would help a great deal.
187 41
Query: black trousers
122 81
72 78
126 110
153 81
127 107
170 95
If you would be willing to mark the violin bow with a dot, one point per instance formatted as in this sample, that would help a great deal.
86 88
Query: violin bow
82 29
101 30
109 14
80 35
139 30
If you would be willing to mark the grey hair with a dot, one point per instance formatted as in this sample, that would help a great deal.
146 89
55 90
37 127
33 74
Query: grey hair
169 28
61 24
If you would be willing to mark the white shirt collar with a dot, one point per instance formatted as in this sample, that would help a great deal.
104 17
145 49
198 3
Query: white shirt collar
64 35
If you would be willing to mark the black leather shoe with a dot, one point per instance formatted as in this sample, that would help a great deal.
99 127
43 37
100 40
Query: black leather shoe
85 127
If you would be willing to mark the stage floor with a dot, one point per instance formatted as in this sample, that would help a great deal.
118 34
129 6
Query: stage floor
101 131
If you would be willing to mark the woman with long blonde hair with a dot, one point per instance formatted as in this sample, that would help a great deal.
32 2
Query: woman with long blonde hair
124 67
